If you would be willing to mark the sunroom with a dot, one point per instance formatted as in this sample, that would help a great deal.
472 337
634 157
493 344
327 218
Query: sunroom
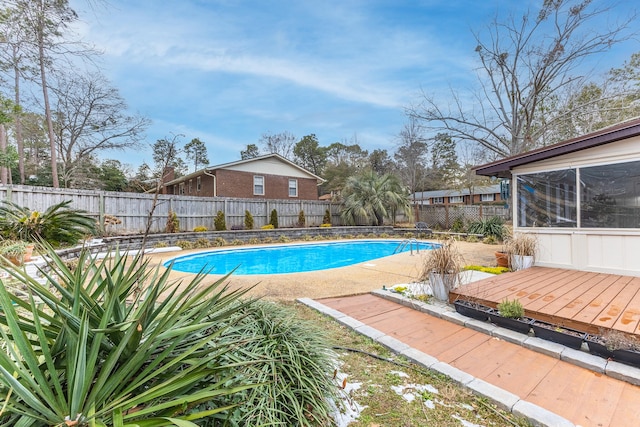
581 198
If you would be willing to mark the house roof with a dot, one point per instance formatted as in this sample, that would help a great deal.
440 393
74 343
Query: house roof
489 189
237 163
502 168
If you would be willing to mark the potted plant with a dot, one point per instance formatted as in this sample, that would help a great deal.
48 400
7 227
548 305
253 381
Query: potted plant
441 267
522 248
14 250
559 334
510 315
616 345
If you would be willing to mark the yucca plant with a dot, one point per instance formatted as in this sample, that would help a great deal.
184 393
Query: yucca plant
113 343
58 224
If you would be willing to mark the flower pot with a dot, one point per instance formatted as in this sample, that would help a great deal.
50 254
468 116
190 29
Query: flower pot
561 335
471 309
28 253
502 259
522 325
597 347
441 284
520 262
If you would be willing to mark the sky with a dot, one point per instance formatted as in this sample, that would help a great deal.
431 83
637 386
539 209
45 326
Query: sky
229 71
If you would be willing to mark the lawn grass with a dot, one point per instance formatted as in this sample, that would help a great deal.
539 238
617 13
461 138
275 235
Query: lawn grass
437 400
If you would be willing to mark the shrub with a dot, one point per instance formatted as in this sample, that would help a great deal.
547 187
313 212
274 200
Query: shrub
219 241
267 227
458 225
492 227
184 244
173 223
161 245
291 360
236 242
202 243
326 219
248 220
57 225
254 241
301 220
283 239
219 222
273 220
200 229
325 225
511 308
103 345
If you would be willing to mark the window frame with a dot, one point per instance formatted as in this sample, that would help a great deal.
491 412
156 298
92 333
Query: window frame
294 187
456 199
256 185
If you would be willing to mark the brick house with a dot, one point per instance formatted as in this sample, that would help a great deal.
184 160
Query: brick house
481 195
265 177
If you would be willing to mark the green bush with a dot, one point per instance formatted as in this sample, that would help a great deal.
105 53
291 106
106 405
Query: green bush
248 220
326 219
200 229
291 360
458 225
184 244
267 227
57 225
274 218
219 222
173 223
201 243
511 308
100 344
301 220
492 227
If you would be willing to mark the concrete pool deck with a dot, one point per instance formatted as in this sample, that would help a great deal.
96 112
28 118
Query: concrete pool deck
355 279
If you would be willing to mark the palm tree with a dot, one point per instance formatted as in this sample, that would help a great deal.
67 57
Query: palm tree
370 198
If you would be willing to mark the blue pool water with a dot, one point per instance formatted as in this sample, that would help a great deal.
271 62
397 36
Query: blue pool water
290 258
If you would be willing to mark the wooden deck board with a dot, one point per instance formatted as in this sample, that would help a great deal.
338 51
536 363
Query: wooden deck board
586 301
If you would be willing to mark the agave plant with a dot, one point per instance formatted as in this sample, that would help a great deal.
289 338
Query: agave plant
113 343
58 224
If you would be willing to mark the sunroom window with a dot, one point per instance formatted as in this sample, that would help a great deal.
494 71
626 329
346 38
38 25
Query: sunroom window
547 199
610 196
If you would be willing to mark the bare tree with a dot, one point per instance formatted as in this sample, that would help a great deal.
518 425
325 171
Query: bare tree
411 154
523 62
90 117
281 143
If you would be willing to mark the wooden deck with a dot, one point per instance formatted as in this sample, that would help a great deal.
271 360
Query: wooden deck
581 300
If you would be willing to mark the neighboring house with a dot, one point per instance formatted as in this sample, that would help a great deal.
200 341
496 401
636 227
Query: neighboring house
481 195
265 177
581 197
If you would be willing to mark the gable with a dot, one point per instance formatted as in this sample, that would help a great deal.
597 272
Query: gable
269 166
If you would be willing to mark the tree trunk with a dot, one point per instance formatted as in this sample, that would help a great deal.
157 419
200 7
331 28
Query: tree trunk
18 119
47 113
3 151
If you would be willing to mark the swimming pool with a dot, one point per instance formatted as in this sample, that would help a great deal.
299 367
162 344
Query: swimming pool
295 258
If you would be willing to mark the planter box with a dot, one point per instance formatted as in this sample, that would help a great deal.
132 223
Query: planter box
522 325
561 335
473 310
628 357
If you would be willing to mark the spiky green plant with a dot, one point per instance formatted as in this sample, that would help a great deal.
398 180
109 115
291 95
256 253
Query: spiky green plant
294 366
58 224
113 343
489 227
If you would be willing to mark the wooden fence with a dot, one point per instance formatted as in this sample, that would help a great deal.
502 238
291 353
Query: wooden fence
443 217
132 209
